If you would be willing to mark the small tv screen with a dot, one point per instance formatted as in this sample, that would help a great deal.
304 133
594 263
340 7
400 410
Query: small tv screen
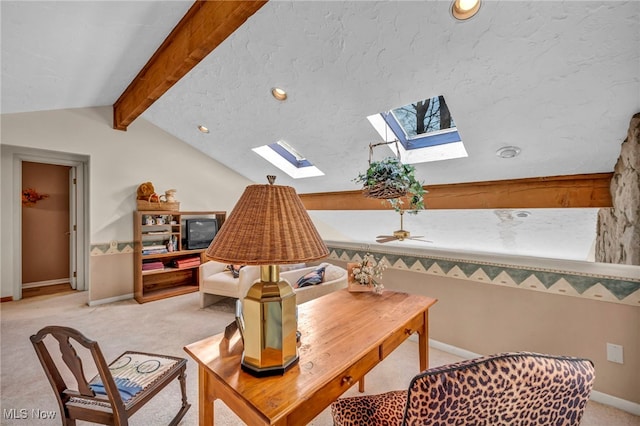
200 232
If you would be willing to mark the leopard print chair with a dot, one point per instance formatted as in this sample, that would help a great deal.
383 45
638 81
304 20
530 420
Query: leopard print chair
521 389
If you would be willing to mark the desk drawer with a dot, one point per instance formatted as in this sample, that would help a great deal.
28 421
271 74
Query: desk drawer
354 373
399 336
321 399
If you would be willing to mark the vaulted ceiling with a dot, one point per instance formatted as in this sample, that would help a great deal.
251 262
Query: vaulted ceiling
559 79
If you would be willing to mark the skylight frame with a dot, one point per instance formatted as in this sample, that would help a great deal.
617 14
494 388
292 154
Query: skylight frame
443 144
438 137
285 158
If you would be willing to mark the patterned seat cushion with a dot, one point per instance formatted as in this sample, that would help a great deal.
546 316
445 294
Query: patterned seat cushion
383 409
133 372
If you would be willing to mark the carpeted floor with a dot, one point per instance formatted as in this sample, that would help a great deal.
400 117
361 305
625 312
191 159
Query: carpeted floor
165 326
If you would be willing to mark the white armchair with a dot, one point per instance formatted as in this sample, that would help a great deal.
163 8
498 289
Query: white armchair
216 282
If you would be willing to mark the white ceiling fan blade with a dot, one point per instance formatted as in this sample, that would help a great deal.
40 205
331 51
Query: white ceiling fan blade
419 239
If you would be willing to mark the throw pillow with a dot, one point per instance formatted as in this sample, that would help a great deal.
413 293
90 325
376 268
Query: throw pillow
311 278
235 270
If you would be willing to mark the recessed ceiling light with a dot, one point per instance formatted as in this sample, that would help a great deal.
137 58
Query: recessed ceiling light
203 129
464 9
279 93
508 152
522 213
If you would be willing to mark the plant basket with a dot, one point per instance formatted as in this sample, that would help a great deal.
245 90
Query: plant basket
382 191
393 182
157 205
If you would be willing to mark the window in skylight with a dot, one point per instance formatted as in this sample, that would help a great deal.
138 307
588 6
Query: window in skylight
425 131
287 159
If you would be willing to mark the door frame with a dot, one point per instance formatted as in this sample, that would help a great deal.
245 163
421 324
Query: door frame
81 166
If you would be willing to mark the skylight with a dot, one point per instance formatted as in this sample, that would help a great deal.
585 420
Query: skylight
425 131
287 159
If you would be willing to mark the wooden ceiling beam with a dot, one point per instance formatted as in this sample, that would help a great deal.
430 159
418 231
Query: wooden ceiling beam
587 190
203 28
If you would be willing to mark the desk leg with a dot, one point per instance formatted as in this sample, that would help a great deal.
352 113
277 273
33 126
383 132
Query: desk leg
423 342
205 398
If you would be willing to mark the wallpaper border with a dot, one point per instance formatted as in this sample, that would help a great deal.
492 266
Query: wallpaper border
554 280
600 287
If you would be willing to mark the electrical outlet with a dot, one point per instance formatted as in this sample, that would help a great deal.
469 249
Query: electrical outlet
614 353
113 244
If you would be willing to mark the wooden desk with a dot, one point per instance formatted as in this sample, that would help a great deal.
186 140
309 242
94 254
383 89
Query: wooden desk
344 335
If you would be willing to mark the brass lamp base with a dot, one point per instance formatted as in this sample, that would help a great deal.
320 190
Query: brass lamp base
270 325
268 371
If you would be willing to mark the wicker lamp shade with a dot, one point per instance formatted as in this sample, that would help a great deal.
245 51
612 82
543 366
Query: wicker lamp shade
268 226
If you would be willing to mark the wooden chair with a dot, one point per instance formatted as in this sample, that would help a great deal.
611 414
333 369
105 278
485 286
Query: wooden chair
505 389
118 390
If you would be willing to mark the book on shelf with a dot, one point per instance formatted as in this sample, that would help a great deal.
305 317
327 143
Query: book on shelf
154 249
152 266
189 262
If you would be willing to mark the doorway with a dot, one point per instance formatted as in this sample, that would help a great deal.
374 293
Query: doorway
47 225
78 167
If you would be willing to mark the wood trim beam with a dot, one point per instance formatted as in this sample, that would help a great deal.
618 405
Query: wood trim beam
203 28
588 190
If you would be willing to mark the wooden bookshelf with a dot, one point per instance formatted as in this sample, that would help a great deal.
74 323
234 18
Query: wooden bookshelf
161 241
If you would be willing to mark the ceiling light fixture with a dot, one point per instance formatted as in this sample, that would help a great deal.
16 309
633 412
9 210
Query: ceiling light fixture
203 129
522 213
508 152
464 9
279 94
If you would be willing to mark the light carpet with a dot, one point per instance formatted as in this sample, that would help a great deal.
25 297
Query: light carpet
165 327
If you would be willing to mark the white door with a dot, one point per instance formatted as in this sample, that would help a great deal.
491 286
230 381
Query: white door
73 228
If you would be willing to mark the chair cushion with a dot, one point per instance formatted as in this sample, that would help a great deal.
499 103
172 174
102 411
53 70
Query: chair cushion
383 409
332 272
133 372
292 267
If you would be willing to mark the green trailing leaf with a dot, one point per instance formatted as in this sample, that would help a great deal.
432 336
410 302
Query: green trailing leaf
398 176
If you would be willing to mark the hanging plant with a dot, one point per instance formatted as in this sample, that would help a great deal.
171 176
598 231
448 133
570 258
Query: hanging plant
30 197
393 182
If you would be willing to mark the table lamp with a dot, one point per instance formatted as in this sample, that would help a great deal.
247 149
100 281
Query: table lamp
269 226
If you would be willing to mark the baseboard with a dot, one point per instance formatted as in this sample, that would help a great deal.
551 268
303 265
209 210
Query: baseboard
602 398
6 299
615 402
111 299
453 350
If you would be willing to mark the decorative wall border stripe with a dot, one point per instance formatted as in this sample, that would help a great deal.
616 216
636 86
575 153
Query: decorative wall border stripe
601 287
105 248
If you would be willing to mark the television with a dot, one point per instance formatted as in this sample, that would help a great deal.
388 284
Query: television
198 233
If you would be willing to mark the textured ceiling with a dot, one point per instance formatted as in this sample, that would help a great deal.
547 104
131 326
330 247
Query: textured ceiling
558 79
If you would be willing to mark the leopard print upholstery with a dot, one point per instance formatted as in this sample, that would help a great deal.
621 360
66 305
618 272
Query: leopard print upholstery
523 389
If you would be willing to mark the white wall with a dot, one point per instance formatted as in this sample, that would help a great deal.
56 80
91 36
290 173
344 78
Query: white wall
118 163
